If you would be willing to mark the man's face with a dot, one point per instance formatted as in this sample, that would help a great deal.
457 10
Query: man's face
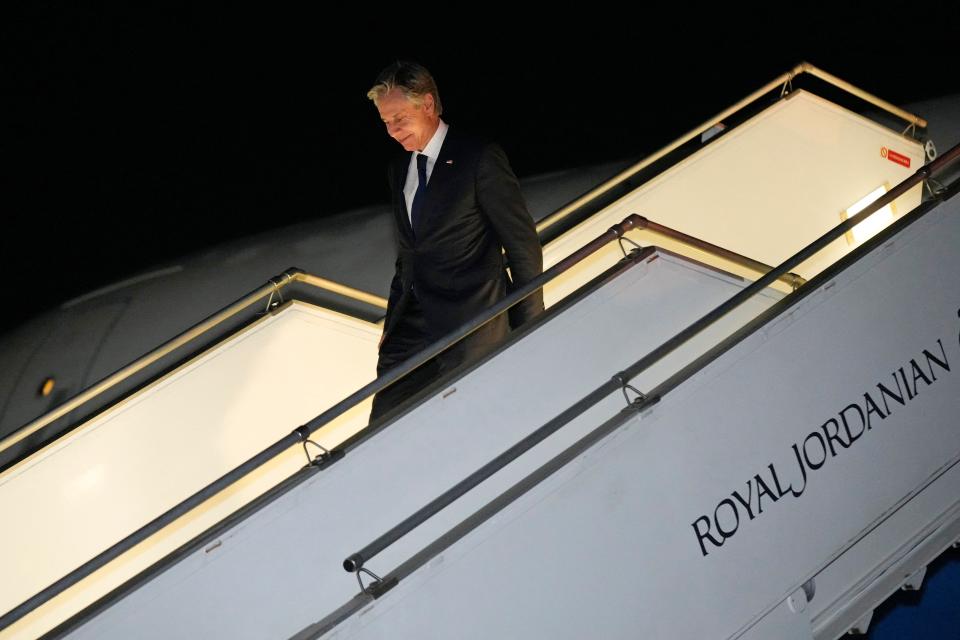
409 124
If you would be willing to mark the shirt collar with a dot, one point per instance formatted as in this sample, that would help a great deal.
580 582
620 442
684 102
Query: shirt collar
432 150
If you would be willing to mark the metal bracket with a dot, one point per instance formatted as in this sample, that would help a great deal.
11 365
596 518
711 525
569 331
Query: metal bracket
787 86
378 587
271 305
621 377
860 627
276 292
623 250
915 580
934 187
796 281
321 460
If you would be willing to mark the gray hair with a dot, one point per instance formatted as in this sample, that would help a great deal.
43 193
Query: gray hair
413 80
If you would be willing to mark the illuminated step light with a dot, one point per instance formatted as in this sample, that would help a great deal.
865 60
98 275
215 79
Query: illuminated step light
873 224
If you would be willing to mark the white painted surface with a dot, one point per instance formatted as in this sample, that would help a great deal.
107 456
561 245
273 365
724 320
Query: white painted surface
119 471
766 189
606 548
280 569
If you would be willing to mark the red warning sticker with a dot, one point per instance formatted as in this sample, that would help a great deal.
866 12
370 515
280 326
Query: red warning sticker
893 156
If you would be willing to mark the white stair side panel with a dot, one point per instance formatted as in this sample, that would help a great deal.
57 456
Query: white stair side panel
766 189
277 570
607 546
128 465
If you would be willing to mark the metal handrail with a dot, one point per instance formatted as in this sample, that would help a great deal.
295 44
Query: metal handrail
342 289
911 118
273 287
791 279
302 434
356 561
803 67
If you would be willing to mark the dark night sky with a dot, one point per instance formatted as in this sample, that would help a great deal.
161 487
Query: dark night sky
140 135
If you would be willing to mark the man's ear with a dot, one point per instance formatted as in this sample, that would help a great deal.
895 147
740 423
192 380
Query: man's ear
428 104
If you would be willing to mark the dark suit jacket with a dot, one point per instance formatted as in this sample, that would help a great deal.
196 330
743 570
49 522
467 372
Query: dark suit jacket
453 259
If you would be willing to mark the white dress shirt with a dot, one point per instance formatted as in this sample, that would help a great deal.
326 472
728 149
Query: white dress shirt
432 150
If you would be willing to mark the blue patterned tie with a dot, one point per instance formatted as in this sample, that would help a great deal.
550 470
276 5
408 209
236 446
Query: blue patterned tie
421 187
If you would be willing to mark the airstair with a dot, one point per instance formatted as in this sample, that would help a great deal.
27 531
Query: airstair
683 416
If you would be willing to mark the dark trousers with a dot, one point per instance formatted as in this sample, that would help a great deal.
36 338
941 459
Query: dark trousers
405 339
